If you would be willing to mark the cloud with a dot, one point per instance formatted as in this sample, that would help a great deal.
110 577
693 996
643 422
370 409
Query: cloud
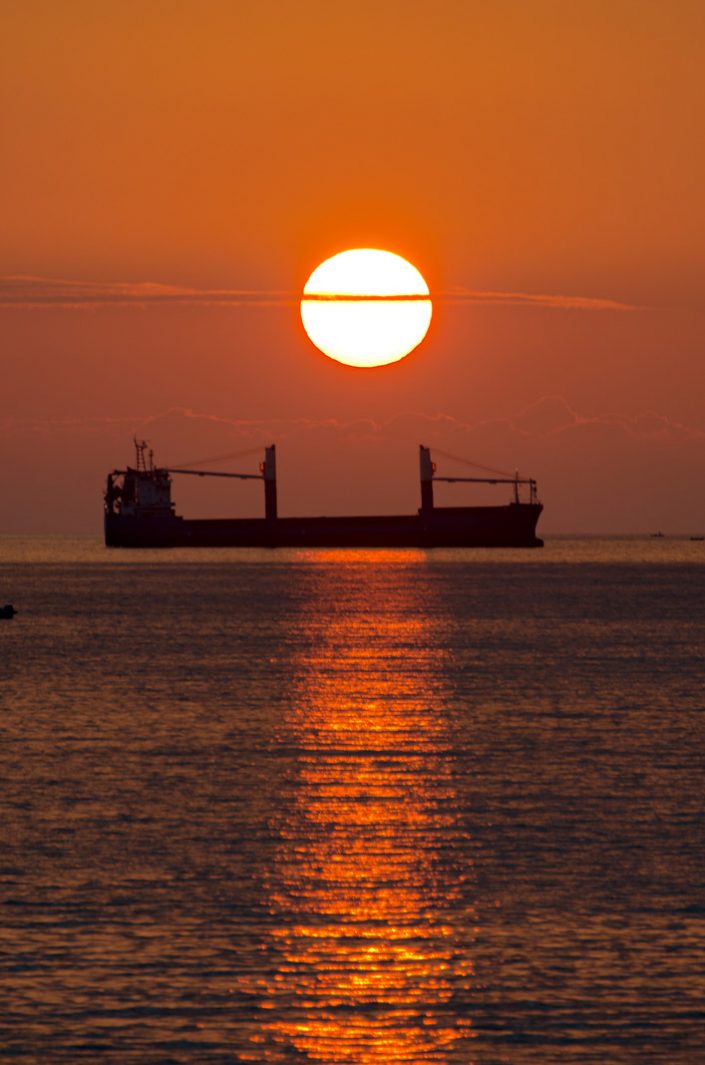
25 291
28 292
553 415
549 417
596 472
534 299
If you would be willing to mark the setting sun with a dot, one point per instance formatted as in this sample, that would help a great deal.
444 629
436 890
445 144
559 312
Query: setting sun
365 307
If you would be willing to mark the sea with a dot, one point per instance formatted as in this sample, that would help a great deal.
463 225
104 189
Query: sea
353 807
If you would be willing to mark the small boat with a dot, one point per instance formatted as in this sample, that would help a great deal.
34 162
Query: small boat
6 612
697 538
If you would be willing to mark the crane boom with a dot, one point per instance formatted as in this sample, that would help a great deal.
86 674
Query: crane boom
213 473
486 480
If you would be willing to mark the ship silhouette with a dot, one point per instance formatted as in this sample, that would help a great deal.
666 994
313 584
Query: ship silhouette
139 512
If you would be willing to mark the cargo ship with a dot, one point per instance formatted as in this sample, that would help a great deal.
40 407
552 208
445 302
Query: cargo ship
139 512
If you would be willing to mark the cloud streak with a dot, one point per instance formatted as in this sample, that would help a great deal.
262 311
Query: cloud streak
26 292
547 418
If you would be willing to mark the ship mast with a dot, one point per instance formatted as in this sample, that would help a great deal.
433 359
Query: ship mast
140 452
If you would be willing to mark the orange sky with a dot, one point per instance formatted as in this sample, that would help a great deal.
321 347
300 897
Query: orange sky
542 148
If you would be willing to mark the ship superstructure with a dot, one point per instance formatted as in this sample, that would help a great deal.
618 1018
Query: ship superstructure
139 512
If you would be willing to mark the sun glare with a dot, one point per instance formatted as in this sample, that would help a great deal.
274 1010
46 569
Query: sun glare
365 307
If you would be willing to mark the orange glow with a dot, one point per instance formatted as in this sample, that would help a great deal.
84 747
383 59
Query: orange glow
524 148
366 332
366 946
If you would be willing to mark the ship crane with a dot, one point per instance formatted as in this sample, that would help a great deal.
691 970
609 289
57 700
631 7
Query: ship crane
219 473
149 487
267 473
429 475
515 481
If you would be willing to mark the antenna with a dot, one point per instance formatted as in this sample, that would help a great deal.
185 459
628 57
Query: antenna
140 448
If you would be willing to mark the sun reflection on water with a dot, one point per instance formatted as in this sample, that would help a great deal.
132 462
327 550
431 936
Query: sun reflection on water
370 937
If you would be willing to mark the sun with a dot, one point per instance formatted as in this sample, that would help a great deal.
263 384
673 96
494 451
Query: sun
366 307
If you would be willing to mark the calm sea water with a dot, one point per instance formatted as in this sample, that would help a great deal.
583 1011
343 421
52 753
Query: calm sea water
353 808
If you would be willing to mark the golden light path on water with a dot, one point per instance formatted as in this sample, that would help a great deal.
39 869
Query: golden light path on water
269 845
367 946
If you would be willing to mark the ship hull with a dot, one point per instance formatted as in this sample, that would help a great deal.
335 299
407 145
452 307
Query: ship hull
513 525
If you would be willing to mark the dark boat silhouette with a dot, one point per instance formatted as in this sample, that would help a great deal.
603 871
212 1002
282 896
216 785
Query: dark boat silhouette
7 612
139 512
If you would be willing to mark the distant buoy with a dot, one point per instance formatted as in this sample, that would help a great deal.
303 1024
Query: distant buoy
8 611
